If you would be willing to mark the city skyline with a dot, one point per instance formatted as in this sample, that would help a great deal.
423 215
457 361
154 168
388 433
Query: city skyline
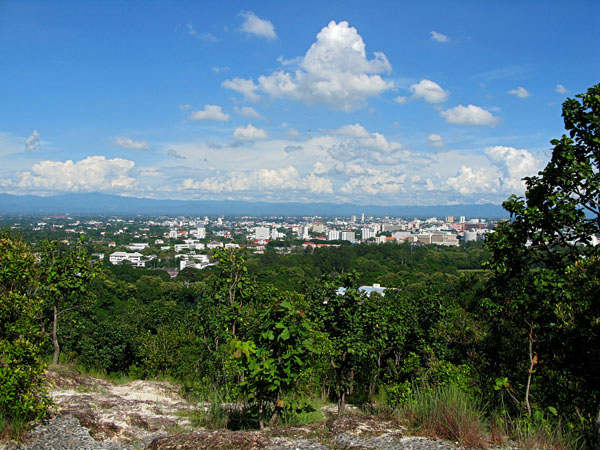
386 104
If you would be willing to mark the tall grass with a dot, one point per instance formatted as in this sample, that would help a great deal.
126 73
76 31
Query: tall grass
447 412
12 427
538 433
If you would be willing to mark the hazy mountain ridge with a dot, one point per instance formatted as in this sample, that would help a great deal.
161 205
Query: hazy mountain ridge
114 204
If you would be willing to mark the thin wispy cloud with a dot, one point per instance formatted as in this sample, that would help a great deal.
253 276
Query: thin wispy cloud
439 37
125 142
32 142
561 89
515 72
206 37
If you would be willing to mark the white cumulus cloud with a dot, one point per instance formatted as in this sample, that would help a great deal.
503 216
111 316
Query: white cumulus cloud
514 164
319 168
92 174
245 87
430 91
439 37
561 89
210 112
318 185
374 182
435 140
249 133
334 71
356 130
520 92
474 180
360 144
278 181
248 111
125 142
257 26
469 115
33 141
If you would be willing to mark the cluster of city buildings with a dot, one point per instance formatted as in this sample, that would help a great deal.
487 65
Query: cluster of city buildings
189 242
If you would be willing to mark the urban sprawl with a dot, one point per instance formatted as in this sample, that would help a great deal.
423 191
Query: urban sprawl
177 243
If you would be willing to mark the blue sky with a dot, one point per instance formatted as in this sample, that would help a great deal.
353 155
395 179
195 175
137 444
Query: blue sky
386 102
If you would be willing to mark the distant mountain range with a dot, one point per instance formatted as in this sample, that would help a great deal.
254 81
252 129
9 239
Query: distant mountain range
84 204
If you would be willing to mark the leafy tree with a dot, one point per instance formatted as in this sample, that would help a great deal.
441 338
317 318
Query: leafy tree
23 397
278 349
65 273
344 319
233 285
545 296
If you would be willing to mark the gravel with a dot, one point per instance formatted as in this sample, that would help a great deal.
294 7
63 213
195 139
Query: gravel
63 432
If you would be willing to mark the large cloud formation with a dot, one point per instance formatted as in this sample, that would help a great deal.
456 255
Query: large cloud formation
272 181
334 71
92 174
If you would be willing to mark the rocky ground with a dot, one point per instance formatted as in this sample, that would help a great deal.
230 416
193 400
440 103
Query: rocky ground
91 413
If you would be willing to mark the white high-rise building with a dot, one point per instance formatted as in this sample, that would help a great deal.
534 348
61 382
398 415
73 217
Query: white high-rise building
333 235
303 232
368 233
348 235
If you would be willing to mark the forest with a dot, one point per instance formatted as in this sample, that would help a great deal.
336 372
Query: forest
512 326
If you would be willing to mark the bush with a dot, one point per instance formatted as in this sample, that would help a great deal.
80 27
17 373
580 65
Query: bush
23 398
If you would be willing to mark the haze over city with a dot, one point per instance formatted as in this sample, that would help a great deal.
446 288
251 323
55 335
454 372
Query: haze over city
380 103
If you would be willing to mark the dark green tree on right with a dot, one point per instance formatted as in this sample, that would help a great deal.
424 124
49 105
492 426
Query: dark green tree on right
544 305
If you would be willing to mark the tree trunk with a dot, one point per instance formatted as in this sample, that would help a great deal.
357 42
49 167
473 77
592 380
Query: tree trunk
55 337
342 403
260 415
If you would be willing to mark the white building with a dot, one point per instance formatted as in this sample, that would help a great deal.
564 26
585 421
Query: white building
318 227
199 233
276 234
303 231
333 235
119 257
135 246
348 235
470 236
262 233
368 233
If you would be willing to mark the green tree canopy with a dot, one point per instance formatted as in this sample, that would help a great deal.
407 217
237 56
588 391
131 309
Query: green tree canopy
545 293
23 398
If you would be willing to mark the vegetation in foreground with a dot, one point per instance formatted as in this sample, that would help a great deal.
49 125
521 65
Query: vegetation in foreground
513 350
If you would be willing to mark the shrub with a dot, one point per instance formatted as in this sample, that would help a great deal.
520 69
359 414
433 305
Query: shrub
23 398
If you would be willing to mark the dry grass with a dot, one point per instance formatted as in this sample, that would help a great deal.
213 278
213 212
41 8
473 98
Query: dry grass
447 413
